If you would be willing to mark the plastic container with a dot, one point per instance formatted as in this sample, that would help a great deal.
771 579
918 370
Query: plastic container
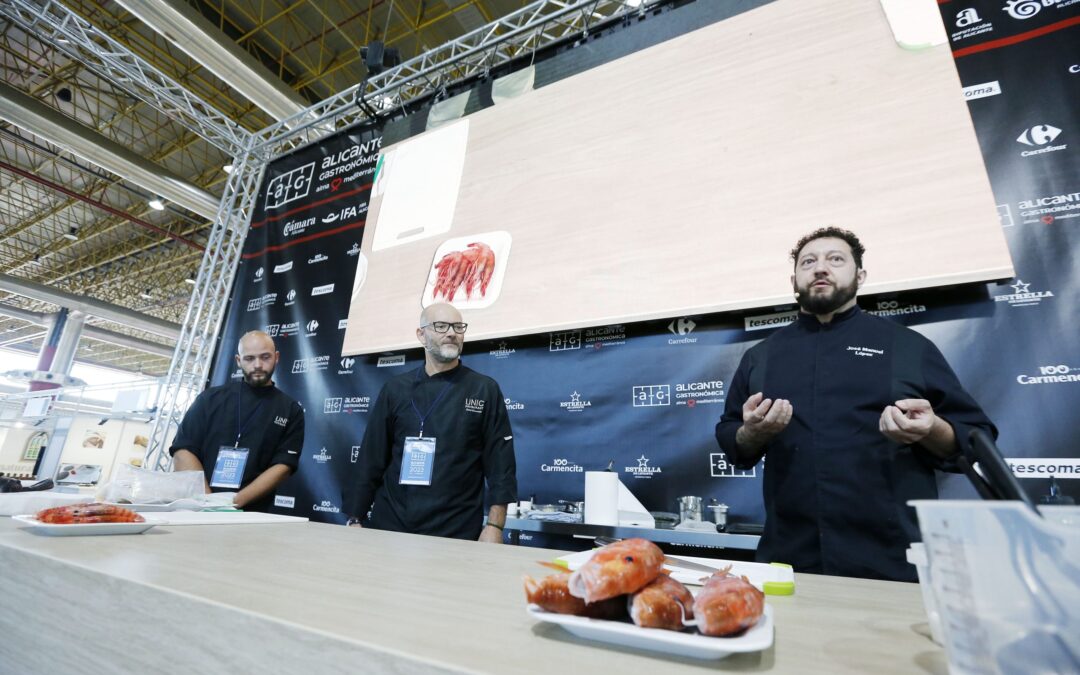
1006 584
916 555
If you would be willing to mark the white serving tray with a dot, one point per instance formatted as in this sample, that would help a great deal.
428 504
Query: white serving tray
32 524
688 644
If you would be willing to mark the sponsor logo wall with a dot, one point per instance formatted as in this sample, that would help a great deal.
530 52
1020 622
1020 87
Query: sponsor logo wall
645 397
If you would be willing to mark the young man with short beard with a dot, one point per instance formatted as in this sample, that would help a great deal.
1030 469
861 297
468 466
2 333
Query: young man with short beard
245 436
855 412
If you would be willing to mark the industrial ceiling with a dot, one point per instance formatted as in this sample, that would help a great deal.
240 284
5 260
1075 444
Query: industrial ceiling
81 157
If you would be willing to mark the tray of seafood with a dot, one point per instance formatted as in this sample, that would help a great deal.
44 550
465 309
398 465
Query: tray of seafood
82 520
622 595
772 578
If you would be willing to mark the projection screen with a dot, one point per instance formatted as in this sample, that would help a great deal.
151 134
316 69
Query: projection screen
674 181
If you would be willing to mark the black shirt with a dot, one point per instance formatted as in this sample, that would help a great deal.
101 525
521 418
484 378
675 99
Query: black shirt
835 488
473 442
273 431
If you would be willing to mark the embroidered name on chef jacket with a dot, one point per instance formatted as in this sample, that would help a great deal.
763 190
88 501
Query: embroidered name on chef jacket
281 421
866 351
474 405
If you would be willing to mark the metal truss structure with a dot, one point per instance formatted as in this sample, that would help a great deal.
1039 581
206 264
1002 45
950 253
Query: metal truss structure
86 43
518 35
534 27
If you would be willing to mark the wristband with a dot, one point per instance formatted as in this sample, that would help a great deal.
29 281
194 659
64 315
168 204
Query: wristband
498 527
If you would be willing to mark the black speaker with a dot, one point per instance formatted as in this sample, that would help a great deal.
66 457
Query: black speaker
373 55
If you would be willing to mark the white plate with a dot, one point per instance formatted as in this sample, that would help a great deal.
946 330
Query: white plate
32 524
759 574
499 241
689 644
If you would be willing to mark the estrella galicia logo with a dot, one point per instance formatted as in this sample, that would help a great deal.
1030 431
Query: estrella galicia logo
575 404
323 457
642 470
284 501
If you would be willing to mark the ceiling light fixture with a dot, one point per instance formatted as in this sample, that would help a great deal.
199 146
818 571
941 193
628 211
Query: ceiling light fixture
157 203
228 168
72 234
145 295
189 280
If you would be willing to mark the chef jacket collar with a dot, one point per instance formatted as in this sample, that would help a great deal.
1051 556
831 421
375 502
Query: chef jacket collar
810 321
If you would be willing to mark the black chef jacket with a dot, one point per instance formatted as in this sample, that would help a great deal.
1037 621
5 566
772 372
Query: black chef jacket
473 442
273 425
835 488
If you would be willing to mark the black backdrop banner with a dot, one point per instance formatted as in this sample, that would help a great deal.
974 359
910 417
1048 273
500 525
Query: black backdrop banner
647 395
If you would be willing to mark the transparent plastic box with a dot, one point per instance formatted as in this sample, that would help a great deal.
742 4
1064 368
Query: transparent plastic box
1005 583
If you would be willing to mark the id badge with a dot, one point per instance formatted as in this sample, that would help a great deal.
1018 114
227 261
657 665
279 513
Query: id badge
417 461
229 468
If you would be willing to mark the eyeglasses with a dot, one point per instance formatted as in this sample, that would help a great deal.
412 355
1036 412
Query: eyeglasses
443 326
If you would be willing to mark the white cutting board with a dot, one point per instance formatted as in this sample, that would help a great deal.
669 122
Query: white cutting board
218 518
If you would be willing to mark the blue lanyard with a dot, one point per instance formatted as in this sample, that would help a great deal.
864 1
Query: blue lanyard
412 400
241 427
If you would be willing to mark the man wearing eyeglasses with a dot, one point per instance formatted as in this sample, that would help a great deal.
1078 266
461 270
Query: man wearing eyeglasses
853 413
436 435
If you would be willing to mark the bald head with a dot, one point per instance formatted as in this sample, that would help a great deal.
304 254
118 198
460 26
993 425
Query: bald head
257 358
443 348
440 311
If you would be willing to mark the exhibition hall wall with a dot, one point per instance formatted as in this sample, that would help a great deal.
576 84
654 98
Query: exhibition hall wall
646 395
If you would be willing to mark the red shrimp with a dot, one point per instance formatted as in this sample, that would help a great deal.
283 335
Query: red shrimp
617 569
88 513
727 604
665 603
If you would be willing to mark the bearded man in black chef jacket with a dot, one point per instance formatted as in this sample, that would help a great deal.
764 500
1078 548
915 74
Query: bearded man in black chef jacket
855 412
435 437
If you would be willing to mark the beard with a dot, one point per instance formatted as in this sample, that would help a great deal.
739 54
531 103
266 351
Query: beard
258 378
446 352
825 303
